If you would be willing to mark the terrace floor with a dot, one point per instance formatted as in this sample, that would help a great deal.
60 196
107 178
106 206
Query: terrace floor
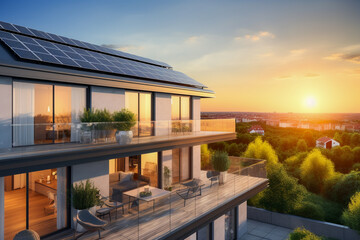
263 231
170 212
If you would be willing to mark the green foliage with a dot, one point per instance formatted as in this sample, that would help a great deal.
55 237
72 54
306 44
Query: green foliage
218 146
309 138
356 167
102 118
85 196
356 154
260 149
346 186
87 116
342 158
284 194
351 216
310 210
315 170
205 157
125 120
220 161
245 138
301 146
303 234
233 150
292 164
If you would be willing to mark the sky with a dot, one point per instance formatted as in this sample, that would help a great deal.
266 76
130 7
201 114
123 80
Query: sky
258 56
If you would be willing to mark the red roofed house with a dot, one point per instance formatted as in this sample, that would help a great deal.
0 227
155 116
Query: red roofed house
257 129
326 142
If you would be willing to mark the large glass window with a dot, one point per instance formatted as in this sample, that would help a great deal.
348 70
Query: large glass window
230 225
180 165
149 167
46 202
36 107
180 110
141 105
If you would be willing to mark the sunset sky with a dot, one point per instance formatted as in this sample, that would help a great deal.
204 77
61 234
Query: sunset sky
283 56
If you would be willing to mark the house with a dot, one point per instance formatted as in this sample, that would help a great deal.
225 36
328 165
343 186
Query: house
257 129
46 82
326 142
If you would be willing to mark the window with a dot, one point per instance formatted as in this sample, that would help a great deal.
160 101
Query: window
230 225
141 105
46 203
36 107
180 112
204 233
180 165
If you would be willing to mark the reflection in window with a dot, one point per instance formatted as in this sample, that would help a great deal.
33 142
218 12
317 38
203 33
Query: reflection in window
33 113
230 225
180 110
149 167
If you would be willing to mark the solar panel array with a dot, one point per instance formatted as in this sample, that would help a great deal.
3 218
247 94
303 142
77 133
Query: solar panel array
80 55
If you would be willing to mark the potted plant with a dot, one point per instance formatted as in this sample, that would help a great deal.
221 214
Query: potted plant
103 127
221 163
124 121
85 196
86 118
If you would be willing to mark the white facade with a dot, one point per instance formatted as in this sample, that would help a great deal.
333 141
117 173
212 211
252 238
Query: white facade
328 144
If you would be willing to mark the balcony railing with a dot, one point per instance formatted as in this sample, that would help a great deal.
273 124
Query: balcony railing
105 132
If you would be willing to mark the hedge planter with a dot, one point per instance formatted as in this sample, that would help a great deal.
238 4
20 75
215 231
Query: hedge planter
124 137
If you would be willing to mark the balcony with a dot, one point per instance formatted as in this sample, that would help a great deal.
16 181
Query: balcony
169 217
64 144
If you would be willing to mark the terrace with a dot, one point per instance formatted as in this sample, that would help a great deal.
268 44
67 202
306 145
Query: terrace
84 142
168 217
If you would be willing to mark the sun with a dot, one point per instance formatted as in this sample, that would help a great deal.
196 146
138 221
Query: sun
310 102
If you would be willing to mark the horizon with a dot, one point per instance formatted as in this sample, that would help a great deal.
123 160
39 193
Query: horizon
273 56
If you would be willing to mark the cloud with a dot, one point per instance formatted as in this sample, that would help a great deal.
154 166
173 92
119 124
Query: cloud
256 37
349 54
193 40
124 48
311 75
297 52
283 77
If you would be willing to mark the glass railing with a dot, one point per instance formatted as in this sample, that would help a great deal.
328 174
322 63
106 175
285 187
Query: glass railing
109 132
162 211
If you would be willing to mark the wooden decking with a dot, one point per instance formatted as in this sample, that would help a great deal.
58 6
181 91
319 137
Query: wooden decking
170 212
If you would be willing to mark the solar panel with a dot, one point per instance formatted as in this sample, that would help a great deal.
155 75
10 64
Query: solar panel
55 53
76 43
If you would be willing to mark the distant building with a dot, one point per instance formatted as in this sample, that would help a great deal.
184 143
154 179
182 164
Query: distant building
249 120
257 129
326 142
288 124
273 123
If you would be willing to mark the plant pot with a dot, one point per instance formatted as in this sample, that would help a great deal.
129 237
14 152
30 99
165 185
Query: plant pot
78 227
222 177
85 136
124 137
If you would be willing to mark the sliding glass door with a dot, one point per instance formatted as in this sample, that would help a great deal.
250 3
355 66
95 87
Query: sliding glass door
180 165
44 113
37 201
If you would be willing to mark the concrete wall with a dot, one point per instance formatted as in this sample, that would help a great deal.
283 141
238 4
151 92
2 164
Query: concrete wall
5 112
242 220
162 113
219 228
110 98
196 112
290 221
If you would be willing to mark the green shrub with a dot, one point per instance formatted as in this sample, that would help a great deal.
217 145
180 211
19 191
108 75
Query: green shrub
315 170
303 234
301 146
233 150
292 164
220 161
85 196
351 216
310 210
125 120
260 149
345 187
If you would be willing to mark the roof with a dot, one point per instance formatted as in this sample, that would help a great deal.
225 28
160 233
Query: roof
324 139
28 45
256 128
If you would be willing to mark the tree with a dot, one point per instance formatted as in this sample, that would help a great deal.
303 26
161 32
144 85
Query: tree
301 146
293 163
233 150
342 158
315 170
284 194
338 138
218 146
351 216
309 138
355 139
261 150
345 187
356 154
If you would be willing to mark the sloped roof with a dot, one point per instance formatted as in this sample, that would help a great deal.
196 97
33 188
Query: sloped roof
256 128
324 139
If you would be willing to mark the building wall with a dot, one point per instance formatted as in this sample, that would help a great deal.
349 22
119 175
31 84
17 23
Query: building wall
191 237
196 150
110 98
5 112
242 220
219 228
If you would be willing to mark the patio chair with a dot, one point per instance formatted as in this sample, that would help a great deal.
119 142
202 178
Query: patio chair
27 234
213 176
90 222
192 191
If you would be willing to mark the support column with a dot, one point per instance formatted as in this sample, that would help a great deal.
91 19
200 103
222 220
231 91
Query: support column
242 220
196 162
219 228
167 162
61 198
